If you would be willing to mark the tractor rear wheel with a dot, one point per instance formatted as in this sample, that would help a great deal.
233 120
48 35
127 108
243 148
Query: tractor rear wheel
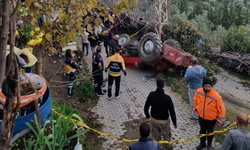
150 48
173 42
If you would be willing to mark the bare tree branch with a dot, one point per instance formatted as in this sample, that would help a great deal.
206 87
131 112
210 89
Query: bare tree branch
15 5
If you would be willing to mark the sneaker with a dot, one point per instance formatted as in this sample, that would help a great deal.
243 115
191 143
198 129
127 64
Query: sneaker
100 94
109 98
117 96
71 95
192 118
200 147
209 147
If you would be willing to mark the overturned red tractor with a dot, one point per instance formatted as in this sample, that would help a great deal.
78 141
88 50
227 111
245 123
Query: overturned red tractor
151 52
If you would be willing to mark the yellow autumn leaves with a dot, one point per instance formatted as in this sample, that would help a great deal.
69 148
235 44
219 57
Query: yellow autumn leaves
37 39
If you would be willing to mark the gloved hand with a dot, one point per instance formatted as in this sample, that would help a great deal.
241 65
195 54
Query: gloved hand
125 73
106 71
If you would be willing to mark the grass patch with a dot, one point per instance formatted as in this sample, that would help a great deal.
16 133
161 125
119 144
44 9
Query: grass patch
244 77
64 109
84 87
177 83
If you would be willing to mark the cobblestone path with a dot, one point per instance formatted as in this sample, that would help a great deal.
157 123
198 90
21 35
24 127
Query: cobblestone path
133 93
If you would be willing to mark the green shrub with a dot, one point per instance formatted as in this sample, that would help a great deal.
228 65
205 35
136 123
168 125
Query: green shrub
54 137
237 40
84 87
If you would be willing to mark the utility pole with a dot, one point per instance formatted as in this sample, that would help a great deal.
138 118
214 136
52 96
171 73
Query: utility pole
162 15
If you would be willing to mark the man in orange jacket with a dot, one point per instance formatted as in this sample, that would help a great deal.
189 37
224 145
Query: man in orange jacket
210 108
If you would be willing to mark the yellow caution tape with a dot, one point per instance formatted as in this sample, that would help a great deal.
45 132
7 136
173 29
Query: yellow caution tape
138 31
135 140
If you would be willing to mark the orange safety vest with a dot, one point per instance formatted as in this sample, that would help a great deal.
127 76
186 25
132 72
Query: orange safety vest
209 105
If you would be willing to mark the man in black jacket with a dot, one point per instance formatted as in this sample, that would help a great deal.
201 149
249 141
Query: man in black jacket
161 105
113 44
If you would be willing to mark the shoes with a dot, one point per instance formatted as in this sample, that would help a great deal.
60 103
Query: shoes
71 95
192 118
109 98
209 147
200 147
117 96
99 95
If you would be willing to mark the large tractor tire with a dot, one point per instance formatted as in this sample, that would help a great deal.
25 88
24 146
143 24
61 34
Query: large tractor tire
150 48
124 40
173 43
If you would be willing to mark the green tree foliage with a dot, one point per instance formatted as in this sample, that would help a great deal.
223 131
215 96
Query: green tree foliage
198 10
239 20
190 13
237 40
247 15
212 15
206 6
232 13
238 3
186 34
182 5
202 23
212 3
225 20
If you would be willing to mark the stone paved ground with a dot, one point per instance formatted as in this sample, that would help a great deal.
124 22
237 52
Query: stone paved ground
133 93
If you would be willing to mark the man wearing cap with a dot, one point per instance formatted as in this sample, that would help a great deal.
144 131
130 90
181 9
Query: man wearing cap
194 76
141 28
210 108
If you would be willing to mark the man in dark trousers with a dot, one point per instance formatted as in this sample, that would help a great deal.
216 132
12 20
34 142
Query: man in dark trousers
211 110
107 37
115 64
145 143
161 107
113 44
97 71
141 28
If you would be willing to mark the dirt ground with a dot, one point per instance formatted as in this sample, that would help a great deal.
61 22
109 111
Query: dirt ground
54 72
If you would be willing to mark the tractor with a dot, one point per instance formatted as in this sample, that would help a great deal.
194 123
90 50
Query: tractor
152 53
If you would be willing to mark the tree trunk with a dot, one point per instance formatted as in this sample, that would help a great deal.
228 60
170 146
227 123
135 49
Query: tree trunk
11 72
4 37
39 65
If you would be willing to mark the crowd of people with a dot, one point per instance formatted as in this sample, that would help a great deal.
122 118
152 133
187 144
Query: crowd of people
108 32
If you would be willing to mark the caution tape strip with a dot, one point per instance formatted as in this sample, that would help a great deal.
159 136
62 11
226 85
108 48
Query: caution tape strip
138 31
135 140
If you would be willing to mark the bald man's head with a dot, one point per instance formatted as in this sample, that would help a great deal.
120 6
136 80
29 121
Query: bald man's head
194 61
242 120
